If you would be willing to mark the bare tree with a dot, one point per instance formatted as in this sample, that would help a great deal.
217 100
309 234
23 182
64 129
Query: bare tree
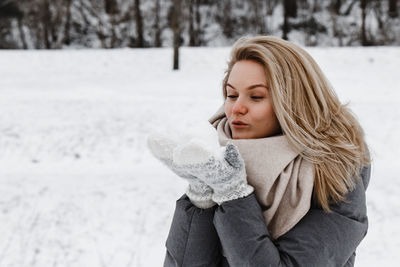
363 6
336 5
67 27
111 8
117 23
156 25
46 22
22 33
192 32
226 19
177 30
290 10
195 24
8 11
335 14
139 24
393 13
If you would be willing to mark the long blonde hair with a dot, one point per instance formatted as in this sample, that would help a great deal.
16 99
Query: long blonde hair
323 130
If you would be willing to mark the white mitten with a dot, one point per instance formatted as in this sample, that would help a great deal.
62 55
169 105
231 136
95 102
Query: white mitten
162 147
224 172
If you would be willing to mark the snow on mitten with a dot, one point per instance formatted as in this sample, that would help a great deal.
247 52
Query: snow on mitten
224 172
162 146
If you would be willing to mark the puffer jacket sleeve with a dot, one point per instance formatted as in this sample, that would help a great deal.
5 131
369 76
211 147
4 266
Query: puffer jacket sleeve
319 239
192 239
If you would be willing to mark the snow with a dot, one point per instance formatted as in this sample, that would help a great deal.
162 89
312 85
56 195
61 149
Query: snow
201 141
195 152
78 186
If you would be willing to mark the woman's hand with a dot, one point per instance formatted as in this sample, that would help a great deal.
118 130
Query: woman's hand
224 173
198 192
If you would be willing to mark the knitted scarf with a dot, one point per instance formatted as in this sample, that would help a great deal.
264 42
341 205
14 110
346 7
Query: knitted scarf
282 179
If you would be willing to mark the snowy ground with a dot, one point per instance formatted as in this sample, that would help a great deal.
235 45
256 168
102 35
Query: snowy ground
78 186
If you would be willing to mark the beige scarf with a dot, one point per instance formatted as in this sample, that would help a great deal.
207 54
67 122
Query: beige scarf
282 179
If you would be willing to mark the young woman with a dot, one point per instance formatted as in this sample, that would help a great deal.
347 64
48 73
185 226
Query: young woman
289 186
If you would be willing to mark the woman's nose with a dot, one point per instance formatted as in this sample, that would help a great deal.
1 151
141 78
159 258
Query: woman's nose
239 107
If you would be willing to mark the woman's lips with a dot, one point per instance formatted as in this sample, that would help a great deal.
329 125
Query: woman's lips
239 124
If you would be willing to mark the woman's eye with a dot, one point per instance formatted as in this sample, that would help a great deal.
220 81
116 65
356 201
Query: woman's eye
257 97
232 96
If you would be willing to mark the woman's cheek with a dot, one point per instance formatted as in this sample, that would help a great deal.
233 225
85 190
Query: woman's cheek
228 109
260 112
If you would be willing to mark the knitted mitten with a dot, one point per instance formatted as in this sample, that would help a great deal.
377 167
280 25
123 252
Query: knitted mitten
198 192
224 173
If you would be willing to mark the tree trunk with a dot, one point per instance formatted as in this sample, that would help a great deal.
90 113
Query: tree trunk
111 7
176 53
176 28
336 6
364 40
139 24
53 31
113 38
67 38
228 25
21 33
156 26
198 30
393 9
291 8
46 22
285 27
192 37
379 15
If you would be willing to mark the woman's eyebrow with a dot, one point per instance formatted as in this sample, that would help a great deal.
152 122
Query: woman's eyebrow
250 87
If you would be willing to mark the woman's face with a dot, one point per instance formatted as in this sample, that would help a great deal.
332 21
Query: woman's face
248 105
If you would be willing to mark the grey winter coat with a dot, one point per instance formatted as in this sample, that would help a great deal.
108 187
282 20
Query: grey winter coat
319 239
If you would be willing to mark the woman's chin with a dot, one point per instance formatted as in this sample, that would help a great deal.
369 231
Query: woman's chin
236 135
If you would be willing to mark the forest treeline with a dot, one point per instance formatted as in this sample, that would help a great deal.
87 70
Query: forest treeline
57 24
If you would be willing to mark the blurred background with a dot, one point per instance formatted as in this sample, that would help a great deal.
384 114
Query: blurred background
55 24
84 82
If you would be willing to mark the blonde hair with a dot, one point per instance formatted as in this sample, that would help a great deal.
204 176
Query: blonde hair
323 130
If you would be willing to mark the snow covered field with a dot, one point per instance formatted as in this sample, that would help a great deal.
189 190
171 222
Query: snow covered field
78 186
